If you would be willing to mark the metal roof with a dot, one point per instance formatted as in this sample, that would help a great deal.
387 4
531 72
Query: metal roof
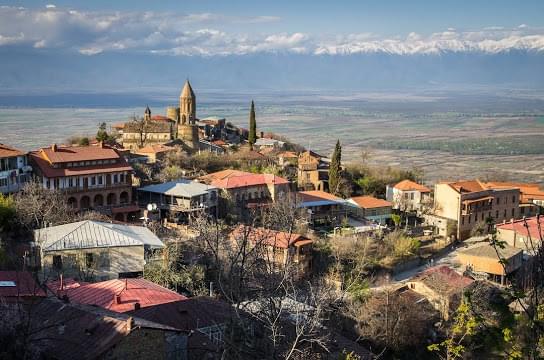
90 234
179 188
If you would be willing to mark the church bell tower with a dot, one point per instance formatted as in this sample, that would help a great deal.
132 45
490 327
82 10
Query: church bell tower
187 128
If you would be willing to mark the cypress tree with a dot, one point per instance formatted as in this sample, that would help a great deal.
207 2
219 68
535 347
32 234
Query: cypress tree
252 137
335 169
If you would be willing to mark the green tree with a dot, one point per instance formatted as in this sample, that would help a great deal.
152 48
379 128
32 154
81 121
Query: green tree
335 170
252 137
7 211
84 141
102 134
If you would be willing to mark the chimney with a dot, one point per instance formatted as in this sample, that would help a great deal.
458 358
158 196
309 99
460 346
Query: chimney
262 134
117 299
130 324
54 147
137 306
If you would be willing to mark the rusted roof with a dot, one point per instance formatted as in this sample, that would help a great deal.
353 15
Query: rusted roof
72 331
120 295
8 151
467 186
369 202
268 237
443 280
19 284
488 251
409 185
63 154
528 191
155 149
190 314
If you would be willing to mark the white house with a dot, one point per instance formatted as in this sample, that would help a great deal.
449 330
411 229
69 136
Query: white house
408 195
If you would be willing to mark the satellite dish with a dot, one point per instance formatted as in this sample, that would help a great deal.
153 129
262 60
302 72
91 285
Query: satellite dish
150 207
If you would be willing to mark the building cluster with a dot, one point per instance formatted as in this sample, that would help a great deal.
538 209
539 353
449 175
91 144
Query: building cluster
118 314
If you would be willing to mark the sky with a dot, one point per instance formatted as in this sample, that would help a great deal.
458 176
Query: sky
36 35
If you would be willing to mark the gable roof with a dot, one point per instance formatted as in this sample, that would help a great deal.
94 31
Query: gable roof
63 154
8 151
155 149
118 295
263 236
190 314
18 284
90 234
181 188
443 280
369 202
221 175
72 331
409 185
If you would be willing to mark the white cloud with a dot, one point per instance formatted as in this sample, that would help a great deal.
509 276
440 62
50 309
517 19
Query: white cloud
94 32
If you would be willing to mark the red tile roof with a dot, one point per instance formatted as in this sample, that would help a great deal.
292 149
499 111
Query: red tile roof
288 155
532 229
161 118
369 202
245 180
121 295
221 175
409 185
528 192
268 237
19 284
8 151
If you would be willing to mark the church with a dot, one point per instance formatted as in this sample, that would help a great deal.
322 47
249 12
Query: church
179 123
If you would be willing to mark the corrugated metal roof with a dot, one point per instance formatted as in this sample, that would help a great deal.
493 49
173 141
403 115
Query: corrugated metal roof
90 234
180 188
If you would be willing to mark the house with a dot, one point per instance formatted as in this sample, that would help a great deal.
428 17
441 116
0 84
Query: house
483 258
16 286
212 128
442 287
269 143
177 200
14 169
248 190
279 248
313 171
96 250
91 178
204 317
321 208
155 152
119 295
470 203
408 196
287 158
525 234
60 330
371 208
531 196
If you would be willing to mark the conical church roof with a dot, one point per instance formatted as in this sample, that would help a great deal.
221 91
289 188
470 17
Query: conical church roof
187 91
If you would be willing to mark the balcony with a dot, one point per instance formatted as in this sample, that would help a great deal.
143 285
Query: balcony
77 189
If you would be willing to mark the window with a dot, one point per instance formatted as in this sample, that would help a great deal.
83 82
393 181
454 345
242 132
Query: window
100 180
104 260
522 209
57 262
469 217
122 178
513 212
115 179
411 196
462 220
504 213
498 201
89 260
3 182
514 198
496 214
